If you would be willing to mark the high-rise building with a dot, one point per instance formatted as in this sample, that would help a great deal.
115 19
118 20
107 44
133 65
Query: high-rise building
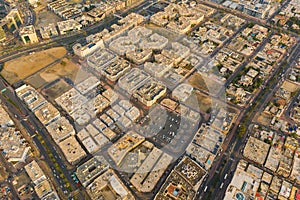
2 33
13 20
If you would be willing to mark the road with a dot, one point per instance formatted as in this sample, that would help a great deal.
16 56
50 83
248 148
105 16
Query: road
244 64
7 182
33 126
232 155
73 37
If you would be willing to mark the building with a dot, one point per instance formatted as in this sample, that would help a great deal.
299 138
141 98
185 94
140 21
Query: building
68 26
125 144
182 92
60 129
42 189
72 150
109 186
151 170
30 96
28 35
91 138
83 51
150 92
133 79
35 173
13 147
12 21
91 169
49 31
116 69
47 113
244 183
256 150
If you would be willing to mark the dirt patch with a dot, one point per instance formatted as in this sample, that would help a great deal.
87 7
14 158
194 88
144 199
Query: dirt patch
66 69
56 89
289 86
203 101
264 119
36 81
3 173
204 83
25 66
46 17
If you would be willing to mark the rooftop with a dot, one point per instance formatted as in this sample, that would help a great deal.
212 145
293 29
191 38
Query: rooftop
72 150
91 169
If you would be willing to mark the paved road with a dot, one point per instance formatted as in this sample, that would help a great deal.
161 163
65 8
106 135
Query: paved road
233 155
8 168
72 37
32 125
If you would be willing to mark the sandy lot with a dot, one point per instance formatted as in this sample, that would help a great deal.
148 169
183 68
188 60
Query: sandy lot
46 17
24 66
263 118
204 83
291 87
201 103
56 89
66 68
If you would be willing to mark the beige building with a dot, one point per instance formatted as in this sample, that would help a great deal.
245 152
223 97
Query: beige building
35 173
72 150
28 35
13 20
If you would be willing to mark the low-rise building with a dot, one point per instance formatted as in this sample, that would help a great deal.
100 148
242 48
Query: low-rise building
72 150
30 96
151 170
256 150
150 92
91 169
47 113
125 144
109 186
28 35
83 51
35 173
60 129
116 69
91 138
243 185
133 79
68 26
48 31
87 85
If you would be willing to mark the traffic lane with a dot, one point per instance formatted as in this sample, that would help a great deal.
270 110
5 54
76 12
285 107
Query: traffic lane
44 153
241 142
32 132
7 166
10 93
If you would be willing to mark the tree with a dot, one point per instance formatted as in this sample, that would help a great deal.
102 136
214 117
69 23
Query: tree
242 130
63 63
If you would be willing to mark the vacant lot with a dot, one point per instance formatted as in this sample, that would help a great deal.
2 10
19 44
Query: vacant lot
200 102
291 87
263 118
66 68
205 84
56 89
24 66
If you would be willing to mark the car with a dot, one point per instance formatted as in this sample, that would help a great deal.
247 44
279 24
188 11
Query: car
225 176
221 185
